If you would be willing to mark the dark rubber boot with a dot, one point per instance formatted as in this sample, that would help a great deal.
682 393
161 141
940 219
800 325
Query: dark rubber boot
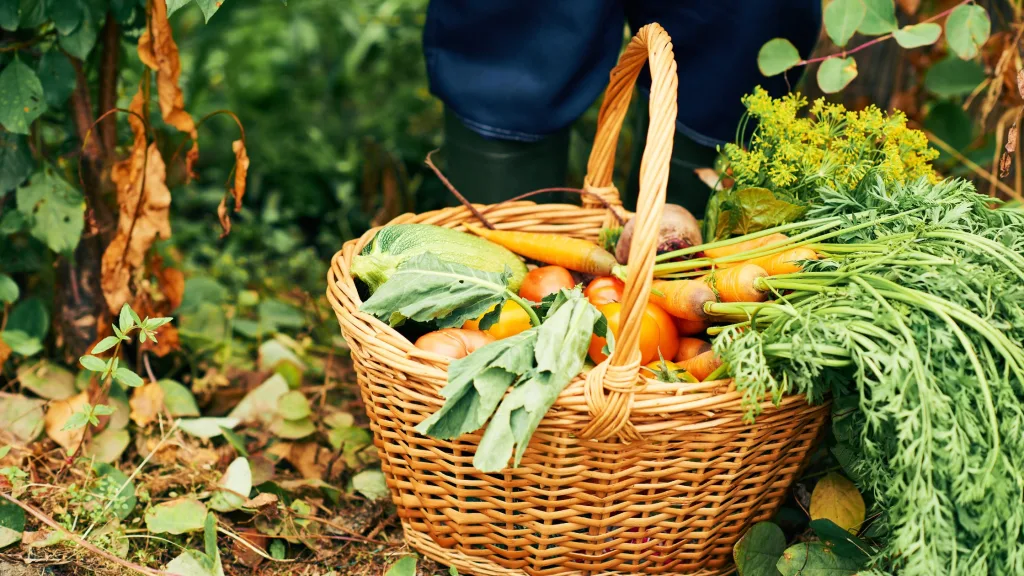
487 171
684 187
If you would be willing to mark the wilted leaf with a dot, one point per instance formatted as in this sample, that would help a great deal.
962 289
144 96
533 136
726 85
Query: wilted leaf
223 217
206 427
1011 139
260 404
967 29
371 484
814 558
842 18
776 56
1005 163
47 380
261 500
5 350
837 499
107 446
176 517
21 97
835 74
1020 82
12 523
310 459
917 35
22 417
234 486
339 420
757 553
147 403
178 399
405 566
54 209
237 189
57 417
158 50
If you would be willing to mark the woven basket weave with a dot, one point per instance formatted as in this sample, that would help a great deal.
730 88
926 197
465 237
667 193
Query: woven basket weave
624 475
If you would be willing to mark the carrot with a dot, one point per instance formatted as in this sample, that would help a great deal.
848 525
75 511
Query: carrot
784 262
683 298
690 327
738 283
691 347
565 251
745 246
702 365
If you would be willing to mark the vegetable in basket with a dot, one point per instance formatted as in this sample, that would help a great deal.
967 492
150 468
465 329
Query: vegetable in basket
395 244
679 229
565 251
453 342
545 281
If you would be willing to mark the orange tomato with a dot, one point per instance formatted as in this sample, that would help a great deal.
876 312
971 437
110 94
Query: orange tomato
541 282
604 290
454 343
668 336
649 335
512 321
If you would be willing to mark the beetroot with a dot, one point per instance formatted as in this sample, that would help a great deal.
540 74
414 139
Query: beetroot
679 229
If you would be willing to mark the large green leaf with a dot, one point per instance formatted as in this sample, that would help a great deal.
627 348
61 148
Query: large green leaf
9 16
917 35
954 77
209 7
15 161
835 74
842 18
21 343
55 209
176 516
57 76
405 566
816 559
175 5
425 288
951 124
880 17
967 29
65 14
81 41
8 289
12 523
32 13
841 541
757 553
777 56
31 317
21 97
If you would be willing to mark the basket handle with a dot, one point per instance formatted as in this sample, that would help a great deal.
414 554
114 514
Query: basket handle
610 386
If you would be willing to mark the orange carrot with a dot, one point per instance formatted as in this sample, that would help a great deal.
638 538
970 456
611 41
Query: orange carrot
702 365
738 283
683 298
745 246
690 327
784 262
691 347
567 252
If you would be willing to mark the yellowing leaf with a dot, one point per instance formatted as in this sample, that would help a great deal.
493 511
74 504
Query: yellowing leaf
147 403
837 499
22 418
57 416
176 516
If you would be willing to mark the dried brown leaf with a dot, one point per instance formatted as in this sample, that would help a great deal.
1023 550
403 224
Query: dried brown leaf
147 403
191 158
246 555
241 171
222 215
1004 165
262 500
158 50
57 416
1020 82
5 352
1011 139
310 459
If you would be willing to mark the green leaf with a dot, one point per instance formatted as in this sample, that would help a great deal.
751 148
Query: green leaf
178 399
777 56
815 559
21 343
275 315
21 97
92 363
757 553
178 516
277 550
22 417
210 537
954 77
124 319
112 485
33 13
105 344
292 429
47 380
9 16
207 427
12 523
15 162
102 410
236 441
3 451
175 5
425 288
128 378
371 484
951 124
192 563
154 323
967 29
55 209
406 566
209 7
754 209
260 404
293 406
31 317
8 289
108 446
77 420
81 41
835 74
841 541
65 14
842 18
234 487
880 18
917 35
57 76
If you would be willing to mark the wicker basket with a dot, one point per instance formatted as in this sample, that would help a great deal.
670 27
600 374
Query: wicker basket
625 475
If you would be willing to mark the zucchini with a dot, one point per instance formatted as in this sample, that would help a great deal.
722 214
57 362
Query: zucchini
392 245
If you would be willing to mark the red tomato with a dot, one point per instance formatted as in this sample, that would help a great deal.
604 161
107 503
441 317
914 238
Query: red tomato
603 290
649 335
541 282
668 336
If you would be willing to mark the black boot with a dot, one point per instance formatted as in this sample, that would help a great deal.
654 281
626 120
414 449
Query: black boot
488 171
684 187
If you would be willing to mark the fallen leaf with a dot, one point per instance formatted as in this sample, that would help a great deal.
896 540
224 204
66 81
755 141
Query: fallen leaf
405 566
293 406
292 429
12 523
41 538
260 404
759 549
192 562
1011 139
339 420
47 380
261 500
262 469
1020 82
273 352
57 416
245 554
176 516
147 404
113 485
206 427
837 499
233 487
178 399
310 459
107 446
371 484
22 418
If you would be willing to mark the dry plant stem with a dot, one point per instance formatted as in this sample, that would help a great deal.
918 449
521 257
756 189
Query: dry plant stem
429 162
874 41
974 167
579 191
42 517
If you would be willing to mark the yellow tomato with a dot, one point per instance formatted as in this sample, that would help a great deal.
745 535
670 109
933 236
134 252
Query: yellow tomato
512 321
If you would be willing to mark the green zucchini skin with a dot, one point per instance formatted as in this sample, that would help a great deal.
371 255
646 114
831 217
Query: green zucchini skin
393 244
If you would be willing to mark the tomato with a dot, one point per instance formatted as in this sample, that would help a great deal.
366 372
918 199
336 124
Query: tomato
512 321
453 342
603 290
657 370
649 335
668 336
541 282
